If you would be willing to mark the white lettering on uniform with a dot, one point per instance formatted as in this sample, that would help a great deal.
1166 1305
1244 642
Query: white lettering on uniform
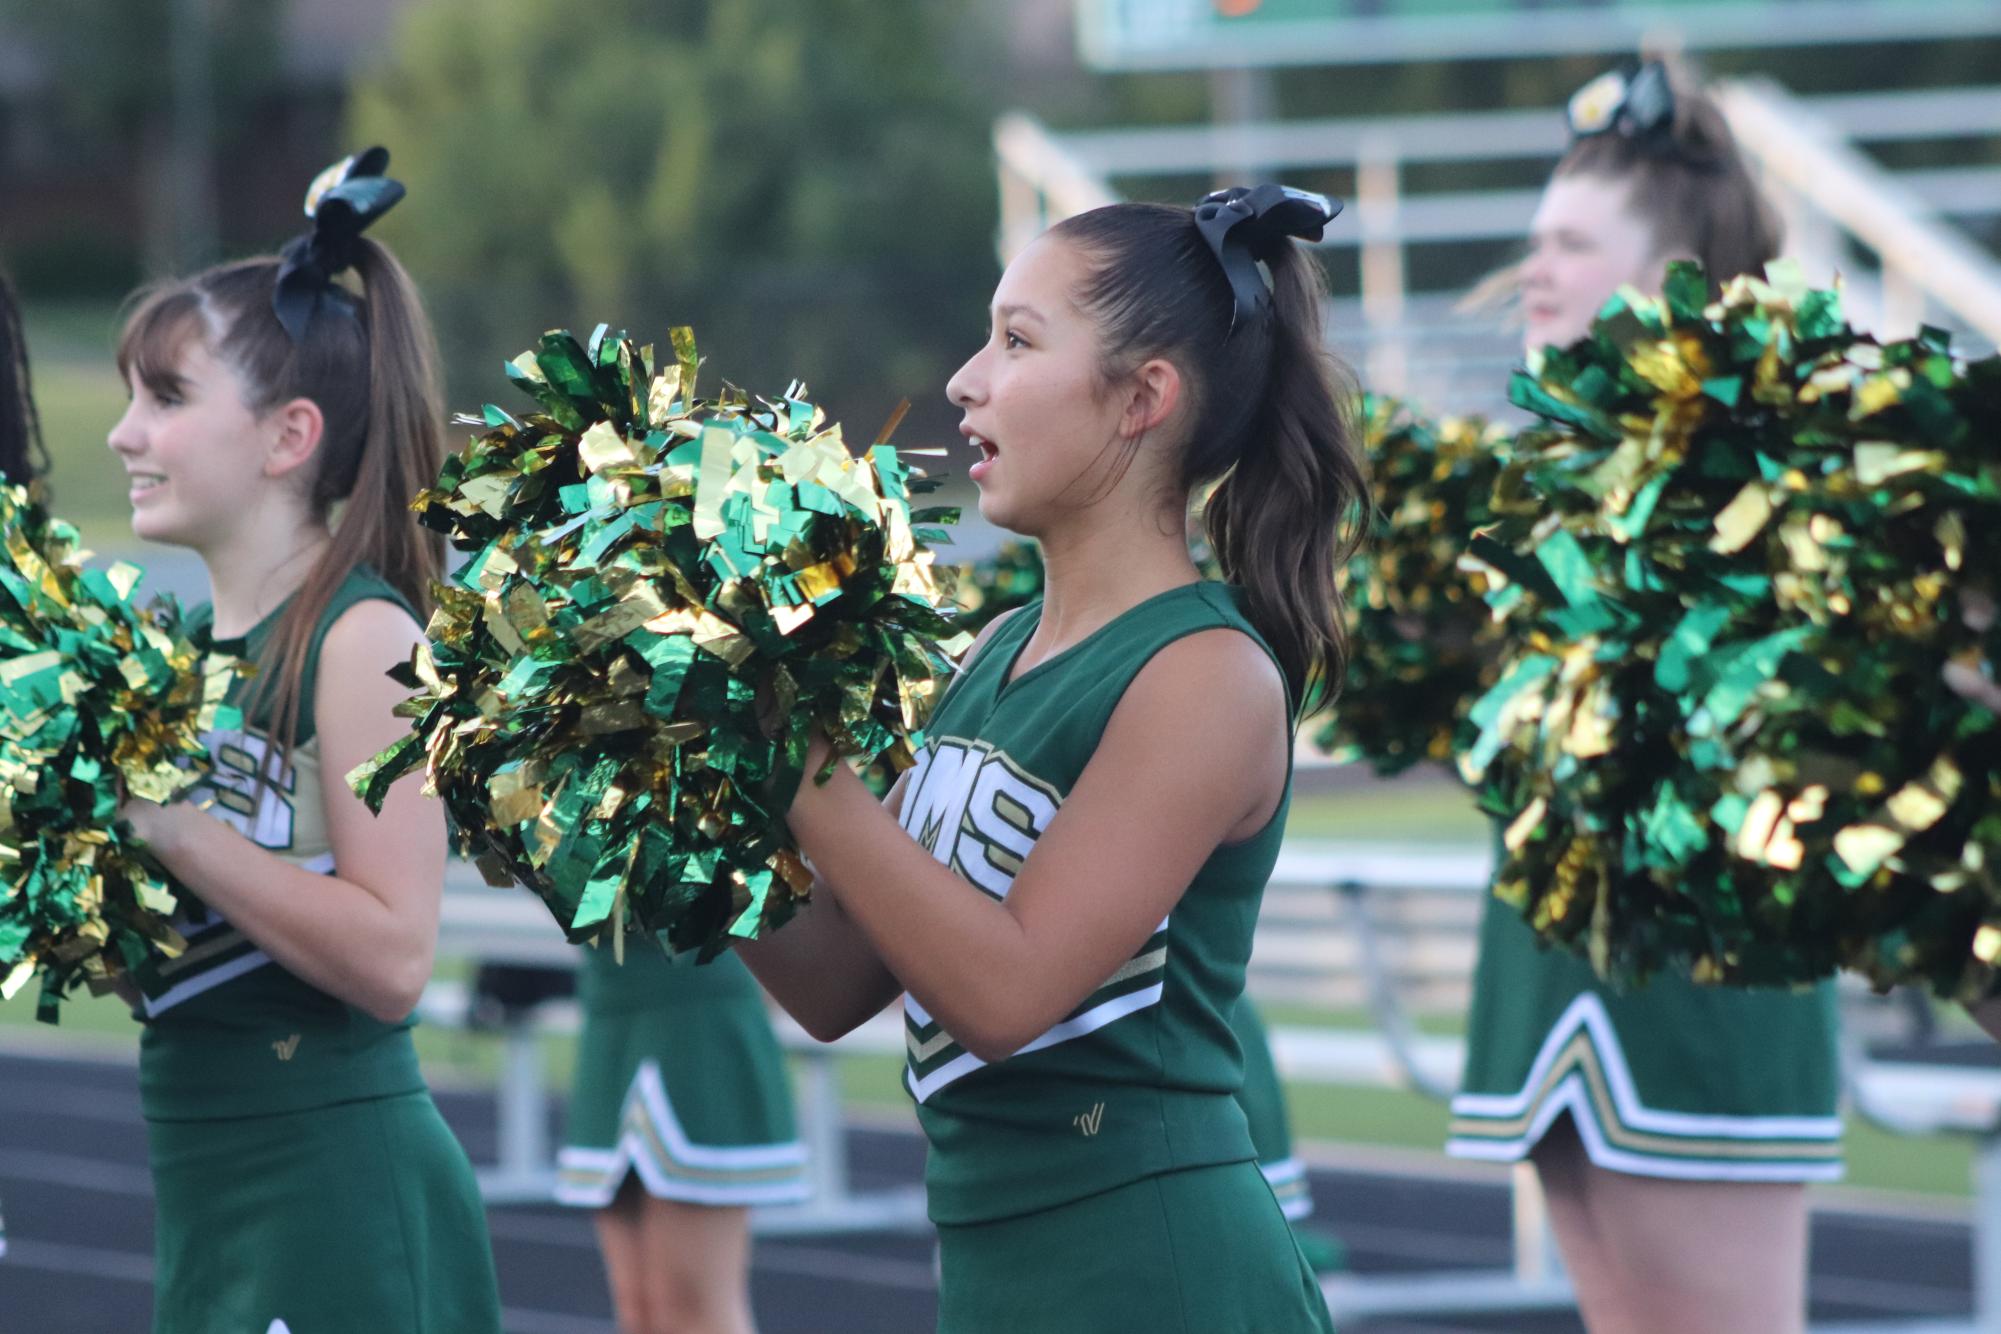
243 801
975 811
935 805
1007 814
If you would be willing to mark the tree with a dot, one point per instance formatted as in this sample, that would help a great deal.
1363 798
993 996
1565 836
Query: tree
157 77
809 186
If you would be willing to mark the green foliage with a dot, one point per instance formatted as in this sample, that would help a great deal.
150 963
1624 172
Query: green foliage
808 184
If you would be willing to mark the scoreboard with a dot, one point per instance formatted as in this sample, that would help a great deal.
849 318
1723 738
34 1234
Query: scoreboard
1209 34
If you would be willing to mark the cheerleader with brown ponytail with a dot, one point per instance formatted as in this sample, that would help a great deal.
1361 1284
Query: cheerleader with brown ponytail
1673 1127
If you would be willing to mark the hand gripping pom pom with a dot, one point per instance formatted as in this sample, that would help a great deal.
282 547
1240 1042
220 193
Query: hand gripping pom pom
1732 567
666 596
98 698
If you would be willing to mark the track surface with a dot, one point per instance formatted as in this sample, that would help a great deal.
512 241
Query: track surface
78 1207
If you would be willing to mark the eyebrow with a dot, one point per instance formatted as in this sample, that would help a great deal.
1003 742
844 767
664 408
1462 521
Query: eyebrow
1013 310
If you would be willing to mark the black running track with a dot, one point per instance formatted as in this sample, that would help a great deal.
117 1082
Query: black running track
78 1207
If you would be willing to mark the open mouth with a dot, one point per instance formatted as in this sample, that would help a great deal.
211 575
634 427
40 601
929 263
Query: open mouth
988 453
143 483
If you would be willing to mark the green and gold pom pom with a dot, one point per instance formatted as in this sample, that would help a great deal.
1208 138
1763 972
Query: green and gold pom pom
666 596
1732 569
99 698
1422 645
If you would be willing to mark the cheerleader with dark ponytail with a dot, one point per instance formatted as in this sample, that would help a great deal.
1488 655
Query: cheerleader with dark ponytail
20 434
1064 886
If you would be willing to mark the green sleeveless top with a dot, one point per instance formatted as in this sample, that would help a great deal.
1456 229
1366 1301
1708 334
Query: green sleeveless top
1138 1079
229 1032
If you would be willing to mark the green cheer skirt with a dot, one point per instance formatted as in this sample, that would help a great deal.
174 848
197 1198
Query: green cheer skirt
350 1219
1205 1249
1672 1079
680 1082
1263 1099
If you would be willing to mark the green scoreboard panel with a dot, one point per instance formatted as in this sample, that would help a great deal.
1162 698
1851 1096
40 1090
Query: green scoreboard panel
1208 34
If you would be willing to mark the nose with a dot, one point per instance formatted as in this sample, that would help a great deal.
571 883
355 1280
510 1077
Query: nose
1533 271
968 384
125 438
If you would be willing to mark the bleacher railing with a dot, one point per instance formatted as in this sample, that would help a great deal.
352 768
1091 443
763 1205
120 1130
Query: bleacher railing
1890 235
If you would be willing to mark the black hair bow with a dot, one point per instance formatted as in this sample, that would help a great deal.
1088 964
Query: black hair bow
342 201
1633 101
1245 225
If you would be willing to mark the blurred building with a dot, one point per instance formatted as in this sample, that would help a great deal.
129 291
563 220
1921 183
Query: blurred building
89 189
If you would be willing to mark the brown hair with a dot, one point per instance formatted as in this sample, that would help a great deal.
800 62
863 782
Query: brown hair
369 362
1690 184
21 448
1270 411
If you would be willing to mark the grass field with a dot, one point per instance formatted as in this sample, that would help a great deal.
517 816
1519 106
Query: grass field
79 396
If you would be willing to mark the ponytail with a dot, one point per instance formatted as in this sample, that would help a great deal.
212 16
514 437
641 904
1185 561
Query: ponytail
370 363
1285 519
22 452
373 474
1271 418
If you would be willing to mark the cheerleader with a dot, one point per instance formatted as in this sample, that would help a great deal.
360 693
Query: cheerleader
280 421
680 1119
22 453
20 432
1673 1127
1065 884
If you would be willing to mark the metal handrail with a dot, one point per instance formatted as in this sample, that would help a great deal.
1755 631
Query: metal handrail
1041 181
1924 259
1840 204
1481 136
1392 1018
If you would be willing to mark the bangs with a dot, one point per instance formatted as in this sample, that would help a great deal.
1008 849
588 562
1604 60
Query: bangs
157 333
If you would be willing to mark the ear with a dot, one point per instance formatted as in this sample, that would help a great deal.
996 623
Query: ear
297 429
1153 395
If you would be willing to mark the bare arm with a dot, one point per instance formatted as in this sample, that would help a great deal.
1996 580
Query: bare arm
819 967
367 933
1182 768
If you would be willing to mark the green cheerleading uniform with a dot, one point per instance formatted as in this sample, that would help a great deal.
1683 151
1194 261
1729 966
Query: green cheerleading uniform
680 1082
1103 1176
303 1179
1670 1079
1263 1099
